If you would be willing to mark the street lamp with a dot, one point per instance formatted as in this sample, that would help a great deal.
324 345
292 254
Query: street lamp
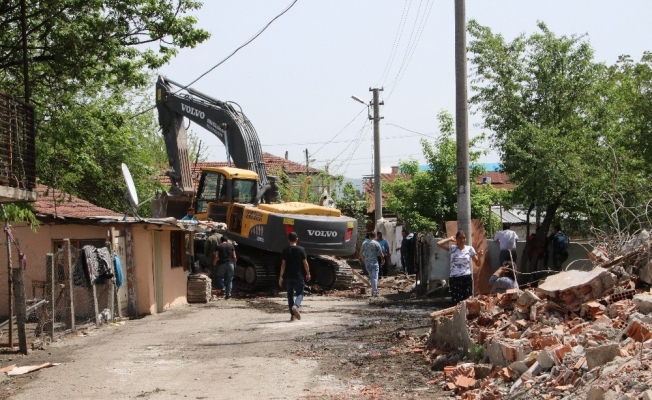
358 100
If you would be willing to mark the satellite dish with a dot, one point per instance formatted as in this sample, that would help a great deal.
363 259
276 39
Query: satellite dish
130 194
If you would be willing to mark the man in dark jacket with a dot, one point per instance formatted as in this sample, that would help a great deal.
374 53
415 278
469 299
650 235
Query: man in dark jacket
407 252
294 273
559 247
225 259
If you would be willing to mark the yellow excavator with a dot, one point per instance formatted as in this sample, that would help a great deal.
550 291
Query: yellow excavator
244 197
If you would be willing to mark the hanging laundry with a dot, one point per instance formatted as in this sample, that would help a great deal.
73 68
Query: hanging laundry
118 271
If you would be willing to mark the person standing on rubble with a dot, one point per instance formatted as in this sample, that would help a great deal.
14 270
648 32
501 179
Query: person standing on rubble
462 257
559 247
507 239
294 273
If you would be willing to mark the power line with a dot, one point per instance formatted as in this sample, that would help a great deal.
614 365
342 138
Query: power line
409 53
341 130
246 43
397 41
227 57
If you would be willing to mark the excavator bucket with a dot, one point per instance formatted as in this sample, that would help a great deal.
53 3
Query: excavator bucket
168 205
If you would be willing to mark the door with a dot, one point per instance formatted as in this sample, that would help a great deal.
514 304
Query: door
119 246
158 272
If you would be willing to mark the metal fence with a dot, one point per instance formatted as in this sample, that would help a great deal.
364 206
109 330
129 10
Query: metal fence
17 143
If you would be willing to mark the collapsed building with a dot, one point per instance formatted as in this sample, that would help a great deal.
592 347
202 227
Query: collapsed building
579 334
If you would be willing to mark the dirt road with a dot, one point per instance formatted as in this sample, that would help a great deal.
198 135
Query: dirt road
240 349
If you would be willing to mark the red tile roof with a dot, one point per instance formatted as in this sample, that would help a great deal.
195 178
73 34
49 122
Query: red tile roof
53 203
499 180
273 165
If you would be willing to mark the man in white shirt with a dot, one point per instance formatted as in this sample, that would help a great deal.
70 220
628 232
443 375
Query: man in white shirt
507 239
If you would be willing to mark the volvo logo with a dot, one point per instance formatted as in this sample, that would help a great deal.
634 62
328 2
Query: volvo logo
193 111
322 233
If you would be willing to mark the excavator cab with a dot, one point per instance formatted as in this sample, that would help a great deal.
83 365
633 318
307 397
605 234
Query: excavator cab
220 188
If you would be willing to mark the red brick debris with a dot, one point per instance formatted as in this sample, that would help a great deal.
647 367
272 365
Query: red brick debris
580 335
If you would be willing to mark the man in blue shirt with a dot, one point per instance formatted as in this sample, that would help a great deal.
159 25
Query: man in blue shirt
190 216
384 246
371 252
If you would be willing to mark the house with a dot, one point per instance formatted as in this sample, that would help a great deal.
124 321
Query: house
153 253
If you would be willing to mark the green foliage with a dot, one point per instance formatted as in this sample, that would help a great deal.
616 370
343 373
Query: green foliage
425 200
19 212
352 205
89 64
543 96
75 45
87 164
477 353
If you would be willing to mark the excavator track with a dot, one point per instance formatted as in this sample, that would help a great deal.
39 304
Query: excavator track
257 270
330 272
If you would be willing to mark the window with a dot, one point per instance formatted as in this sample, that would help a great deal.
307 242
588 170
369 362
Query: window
210 185
244 191
181 253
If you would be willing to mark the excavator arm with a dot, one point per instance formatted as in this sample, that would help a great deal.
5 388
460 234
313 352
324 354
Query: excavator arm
222 119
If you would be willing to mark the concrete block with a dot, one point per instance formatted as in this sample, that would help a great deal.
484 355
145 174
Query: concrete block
503 352
451 333
643 302
645 273
595 393
545 359
598 356
520 367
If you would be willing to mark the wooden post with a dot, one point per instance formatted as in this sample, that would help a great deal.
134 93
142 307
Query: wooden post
10 286
21 307
109 296
67 260
115 294
50 283
97 311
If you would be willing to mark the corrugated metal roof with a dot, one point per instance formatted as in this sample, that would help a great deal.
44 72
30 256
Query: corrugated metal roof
509 216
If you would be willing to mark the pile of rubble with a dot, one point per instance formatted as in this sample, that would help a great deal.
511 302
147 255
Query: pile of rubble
580 334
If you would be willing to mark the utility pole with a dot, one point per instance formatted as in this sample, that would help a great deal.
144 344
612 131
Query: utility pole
462 124
307 164
378 188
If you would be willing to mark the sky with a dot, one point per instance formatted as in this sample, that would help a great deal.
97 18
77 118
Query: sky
295 81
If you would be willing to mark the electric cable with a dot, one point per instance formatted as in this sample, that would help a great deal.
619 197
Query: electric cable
227 57
341 130
409 52
397 41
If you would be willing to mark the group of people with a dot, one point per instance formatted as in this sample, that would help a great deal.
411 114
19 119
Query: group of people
375 257
220 255
295 271
507 239
463 256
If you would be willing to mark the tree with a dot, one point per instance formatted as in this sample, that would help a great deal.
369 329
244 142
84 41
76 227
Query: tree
88 164
89 63
425 200
79 44
542 97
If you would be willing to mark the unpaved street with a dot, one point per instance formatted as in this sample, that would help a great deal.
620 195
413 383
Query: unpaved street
240 349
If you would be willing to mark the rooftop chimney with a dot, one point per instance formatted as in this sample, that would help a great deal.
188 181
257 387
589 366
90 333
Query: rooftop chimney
394 170
286 155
